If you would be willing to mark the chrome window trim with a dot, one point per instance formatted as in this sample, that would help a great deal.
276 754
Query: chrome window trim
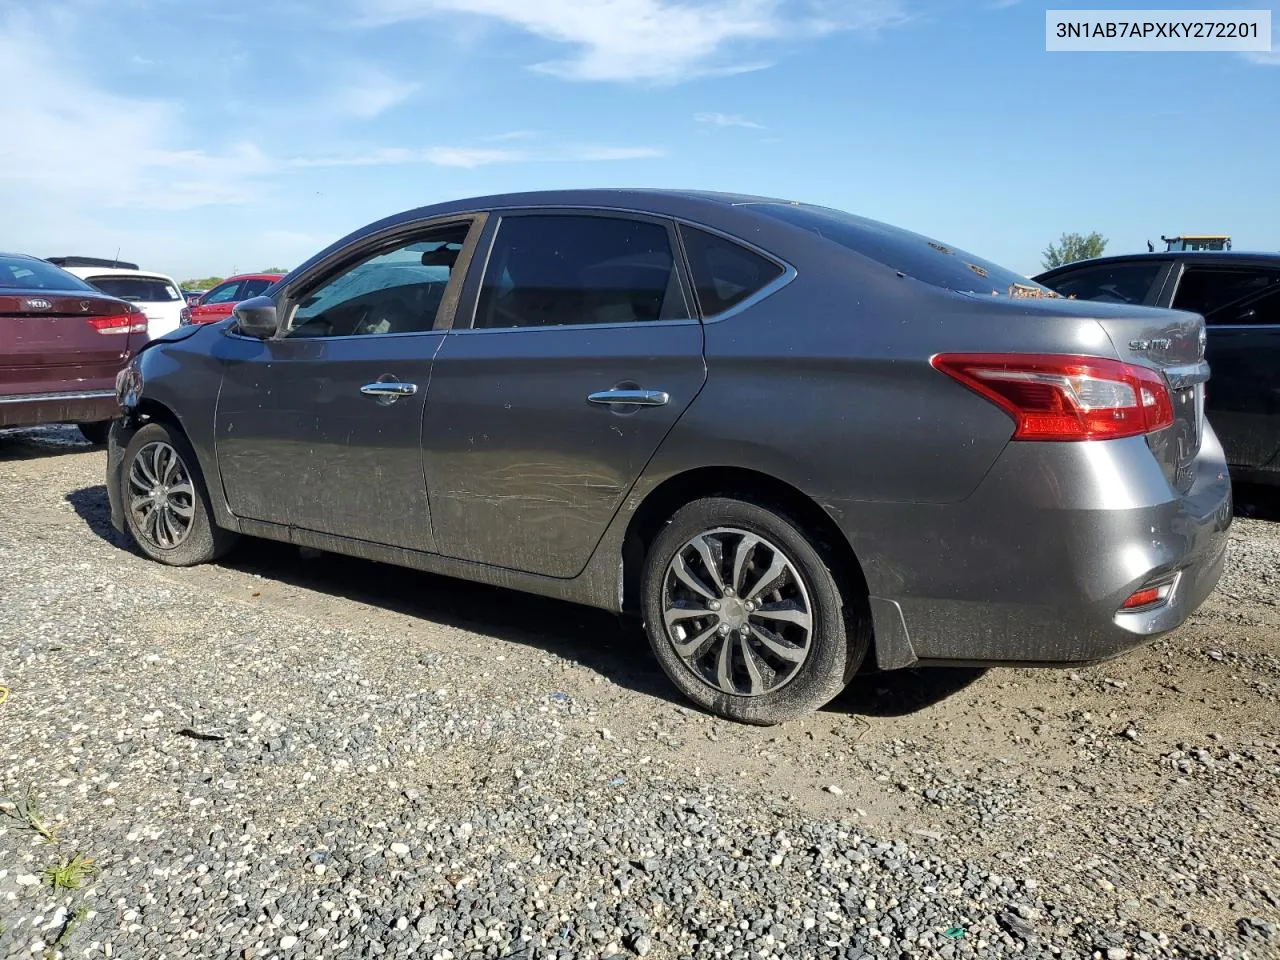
647 324
1210 327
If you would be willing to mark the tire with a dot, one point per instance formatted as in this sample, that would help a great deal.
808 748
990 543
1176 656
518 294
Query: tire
96 433
838 633
201 540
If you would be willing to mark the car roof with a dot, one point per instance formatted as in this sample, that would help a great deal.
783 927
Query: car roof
117 272
1239 257
252 276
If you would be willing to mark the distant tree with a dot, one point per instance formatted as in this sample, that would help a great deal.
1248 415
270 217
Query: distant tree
274 270
1073 247
208 283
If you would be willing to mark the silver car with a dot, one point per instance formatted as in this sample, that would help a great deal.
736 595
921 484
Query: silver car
790 439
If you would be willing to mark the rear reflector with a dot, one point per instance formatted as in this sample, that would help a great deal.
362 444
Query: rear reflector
1066 397
1142 598
120 323
1152 595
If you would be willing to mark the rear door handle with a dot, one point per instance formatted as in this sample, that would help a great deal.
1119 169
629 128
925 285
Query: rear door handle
640 398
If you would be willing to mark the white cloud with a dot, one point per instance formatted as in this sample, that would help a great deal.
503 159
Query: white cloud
727 120
365 93
470 157
78 147
658 41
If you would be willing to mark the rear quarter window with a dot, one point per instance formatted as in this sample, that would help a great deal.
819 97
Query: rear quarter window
725 273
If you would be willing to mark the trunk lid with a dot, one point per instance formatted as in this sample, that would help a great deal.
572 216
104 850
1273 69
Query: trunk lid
1173 342
48 343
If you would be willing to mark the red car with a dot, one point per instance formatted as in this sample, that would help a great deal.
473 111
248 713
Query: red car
218 303
62 342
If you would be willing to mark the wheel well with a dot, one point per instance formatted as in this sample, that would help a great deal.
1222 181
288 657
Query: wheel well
673 493
154 410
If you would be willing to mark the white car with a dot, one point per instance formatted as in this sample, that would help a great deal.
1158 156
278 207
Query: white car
158 295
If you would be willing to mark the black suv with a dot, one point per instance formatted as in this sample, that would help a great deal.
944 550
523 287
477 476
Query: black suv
1239 296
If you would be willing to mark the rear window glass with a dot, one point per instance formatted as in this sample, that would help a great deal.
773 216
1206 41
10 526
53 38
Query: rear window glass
1110 283
917 256
724 273
21 274
137 289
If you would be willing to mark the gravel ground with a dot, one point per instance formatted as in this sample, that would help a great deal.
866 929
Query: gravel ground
303 755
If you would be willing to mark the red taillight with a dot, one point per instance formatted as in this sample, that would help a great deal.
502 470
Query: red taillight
134 322
1142 598
1057 397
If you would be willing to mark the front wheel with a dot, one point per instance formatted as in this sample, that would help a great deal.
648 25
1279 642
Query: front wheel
745 615
166 504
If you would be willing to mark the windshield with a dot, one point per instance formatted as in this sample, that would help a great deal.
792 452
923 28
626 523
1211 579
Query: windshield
19 273
927 260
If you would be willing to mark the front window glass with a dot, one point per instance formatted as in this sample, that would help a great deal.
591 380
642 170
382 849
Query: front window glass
397 291
223 294
1206 289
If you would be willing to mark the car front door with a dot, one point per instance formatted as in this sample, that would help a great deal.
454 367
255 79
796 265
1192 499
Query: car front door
319 427
1241 307
217 303
579 354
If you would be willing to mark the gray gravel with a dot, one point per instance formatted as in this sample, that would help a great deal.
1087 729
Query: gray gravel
293 757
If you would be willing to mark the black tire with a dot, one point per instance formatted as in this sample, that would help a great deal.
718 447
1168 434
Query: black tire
204 541
839 634
96 433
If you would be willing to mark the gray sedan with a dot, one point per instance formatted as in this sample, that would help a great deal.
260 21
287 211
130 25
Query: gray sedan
792 440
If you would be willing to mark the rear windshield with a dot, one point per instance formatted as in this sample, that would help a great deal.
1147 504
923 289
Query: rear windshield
19 273
137 289
927 260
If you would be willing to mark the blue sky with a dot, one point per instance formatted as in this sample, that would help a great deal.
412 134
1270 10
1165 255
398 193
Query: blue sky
205 136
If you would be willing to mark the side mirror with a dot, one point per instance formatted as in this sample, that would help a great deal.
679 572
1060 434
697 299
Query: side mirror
256 317
193 301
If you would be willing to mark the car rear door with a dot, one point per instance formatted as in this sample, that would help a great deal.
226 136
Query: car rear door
320 428
575 352
1241 307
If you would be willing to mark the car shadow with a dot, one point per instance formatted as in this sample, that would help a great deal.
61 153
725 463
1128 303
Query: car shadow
899 693
32 443
611 646
1256 501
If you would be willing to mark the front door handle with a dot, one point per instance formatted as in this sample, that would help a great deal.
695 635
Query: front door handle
640 398
387 392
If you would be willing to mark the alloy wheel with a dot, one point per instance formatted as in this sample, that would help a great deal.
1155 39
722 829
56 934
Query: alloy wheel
737 612
161 496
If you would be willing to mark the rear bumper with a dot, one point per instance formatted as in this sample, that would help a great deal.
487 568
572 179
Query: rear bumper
71 406
1034 568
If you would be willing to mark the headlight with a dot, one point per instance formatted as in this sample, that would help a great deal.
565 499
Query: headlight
128 386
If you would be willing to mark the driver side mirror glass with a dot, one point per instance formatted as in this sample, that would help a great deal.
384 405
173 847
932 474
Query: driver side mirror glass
256 317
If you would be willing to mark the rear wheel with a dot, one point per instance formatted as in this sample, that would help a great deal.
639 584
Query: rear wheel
744 614
166 504
96 433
